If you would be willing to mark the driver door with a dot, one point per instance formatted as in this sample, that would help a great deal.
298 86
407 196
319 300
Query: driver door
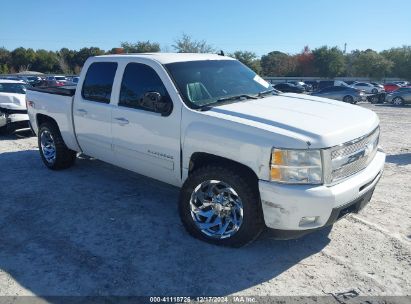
145 141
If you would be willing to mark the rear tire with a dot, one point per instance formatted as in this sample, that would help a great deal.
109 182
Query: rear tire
398 101
53 150
225 187
374 91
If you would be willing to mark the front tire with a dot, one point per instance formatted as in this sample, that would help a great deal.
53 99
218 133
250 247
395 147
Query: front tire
53 150
221 207
349 99
374 91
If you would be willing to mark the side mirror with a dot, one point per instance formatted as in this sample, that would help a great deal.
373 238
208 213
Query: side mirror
157 103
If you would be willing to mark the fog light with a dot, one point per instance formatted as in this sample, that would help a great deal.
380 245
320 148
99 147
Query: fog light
308 220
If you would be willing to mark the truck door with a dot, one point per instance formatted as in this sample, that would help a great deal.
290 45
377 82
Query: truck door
144 140
92 111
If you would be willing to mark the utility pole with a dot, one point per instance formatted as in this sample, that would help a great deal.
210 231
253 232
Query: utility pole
345 47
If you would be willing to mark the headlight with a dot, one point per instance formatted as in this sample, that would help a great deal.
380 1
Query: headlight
296 166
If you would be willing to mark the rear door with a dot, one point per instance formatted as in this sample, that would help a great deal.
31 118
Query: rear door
145 141
92 111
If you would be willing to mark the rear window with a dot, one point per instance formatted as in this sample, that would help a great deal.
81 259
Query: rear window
99 81
60 78
17 88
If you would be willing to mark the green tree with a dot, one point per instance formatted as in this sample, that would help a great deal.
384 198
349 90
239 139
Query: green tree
81 56
328 62
45 62
22 59
278 64
249 59
371 64
186 44
141 47
401 59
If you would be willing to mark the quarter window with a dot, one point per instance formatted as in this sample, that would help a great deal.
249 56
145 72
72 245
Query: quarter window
99 81
139 79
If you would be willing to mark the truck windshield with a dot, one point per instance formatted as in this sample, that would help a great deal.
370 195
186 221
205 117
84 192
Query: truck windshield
207 82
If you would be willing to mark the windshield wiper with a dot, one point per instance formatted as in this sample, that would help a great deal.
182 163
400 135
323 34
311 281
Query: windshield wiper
262 93
226 99
235 97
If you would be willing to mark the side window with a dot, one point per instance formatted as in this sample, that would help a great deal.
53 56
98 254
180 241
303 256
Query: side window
99 81
139 79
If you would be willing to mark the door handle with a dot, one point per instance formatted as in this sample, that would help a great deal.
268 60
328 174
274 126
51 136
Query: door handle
121 121
81 112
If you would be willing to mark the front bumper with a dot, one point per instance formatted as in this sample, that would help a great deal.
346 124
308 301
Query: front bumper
284 206
13 117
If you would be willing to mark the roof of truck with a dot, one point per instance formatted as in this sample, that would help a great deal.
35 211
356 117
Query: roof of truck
165 58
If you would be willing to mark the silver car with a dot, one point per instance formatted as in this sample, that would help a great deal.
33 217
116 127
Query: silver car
399 97
343 93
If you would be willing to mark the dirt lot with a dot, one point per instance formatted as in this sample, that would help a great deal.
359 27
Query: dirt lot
98 230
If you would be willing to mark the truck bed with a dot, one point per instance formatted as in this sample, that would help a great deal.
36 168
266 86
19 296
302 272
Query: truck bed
63 90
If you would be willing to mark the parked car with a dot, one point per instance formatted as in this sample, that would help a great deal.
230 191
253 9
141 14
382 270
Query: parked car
350 82
313 84
287 87
346 94
399 97
331 83
402 83
378 85
245 157
13 111
390 87
306 87
367 87
56 80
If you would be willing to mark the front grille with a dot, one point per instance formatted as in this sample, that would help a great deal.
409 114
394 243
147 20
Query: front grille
353 156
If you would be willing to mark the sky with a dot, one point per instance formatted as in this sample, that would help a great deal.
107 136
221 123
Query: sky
260 26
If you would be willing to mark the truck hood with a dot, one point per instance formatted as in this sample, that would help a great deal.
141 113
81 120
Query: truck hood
12 101
320 121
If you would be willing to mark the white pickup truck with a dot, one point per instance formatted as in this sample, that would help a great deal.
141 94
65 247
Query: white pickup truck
246 157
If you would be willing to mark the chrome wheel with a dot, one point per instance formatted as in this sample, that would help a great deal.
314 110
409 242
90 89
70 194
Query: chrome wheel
48 147
216 209
397 101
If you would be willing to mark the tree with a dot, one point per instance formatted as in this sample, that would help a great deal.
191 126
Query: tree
81 56
278 64
249 59
186 44
371 64
305 63
22 59
329 62
401 59
5 60
45 61
140 47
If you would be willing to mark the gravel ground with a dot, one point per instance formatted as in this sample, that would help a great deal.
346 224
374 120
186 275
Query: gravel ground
98 230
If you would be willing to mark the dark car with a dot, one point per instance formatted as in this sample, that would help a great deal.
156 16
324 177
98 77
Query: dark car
289 88
342 93
330 83
313 84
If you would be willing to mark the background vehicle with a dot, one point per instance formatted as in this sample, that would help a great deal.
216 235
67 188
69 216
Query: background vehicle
346 94
390 87
402 83
287 87
399 97
56 80
313 84
367 87
306 87
13 111
330 83
378 85
244 156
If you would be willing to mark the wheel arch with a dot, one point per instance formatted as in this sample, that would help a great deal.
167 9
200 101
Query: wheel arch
202 159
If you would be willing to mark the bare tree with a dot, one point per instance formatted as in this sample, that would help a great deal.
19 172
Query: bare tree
186 44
